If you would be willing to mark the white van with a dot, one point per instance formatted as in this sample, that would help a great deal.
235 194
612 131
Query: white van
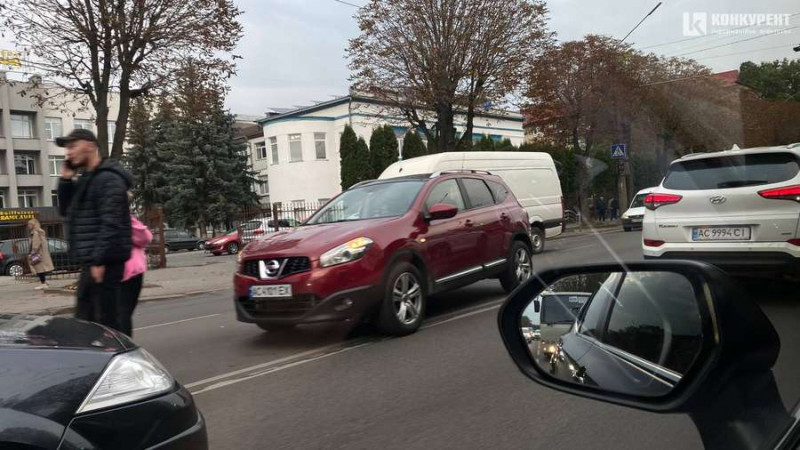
530 175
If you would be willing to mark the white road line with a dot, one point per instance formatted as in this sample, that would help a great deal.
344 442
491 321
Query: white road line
173 323
463 316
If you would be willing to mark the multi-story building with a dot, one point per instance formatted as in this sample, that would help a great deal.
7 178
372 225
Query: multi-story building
301 146
29 157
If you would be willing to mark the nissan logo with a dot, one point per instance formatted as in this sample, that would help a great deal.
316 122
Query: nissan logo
718 199
269 269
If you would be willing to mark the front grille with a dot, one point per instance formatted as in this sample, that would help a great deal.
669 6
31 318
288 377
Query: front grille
279 307
290 266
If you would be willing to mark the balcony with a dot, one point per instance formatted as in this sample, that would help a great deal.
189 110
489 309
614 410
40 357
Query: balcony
30 180
27 144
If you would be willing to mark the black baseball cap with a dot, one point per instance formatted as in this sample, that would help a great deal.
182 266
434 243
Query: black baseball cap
78 134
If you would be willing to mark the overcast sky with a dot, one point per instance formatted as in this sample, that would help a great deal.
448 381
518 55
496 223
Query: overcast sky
293 50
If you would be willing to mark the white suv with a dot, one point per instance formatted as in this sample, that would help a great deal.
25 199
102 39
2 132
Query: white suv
738 209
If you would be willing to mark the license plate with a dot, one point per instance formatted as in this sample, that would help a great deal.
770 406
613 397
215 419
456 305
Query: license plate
721 234
271 291
636 220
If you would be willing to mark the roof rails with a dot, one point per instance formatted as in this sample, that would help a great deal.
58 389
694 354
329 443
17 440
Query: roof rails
443 172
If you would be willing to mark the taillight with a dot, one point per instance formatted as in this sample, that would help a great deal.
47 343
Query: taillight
2 256
655 201
653 243
784 193
790 241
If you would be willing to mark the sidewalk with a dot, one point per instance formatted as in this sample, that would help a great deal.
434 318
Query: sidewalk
172 282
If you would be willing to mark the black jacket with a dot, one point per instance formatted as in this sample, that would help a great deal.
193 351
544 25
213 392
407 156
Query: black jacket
98 214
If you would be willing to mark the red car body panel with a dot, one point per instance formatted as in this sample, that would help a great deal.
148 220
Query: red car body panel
218 244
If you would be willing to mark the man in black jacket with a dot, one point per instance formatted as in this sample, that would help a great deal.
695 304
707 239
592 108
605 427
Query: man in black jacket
96 206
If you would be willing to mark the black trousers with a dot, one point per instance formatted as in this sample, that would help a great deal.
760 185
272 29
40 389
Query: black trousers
99 302
128 301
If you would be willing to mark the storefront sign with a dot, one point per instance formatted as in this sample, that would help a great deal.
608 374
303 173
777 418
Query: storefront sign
10 58
16 215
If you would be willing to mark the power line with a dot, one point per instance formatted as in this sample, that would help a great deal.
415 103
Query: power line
736 42
347 3
742 53
640 22
718 33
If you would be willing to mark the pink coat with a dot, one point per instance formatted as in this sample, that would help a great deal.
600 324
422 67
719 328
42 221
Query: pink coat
141 237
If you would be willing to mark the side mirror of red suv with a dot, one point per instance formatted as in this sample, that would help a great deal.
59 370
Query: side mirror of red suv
441 211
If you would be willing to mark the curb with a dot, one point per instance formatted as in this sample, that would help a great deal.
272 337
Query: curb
60 310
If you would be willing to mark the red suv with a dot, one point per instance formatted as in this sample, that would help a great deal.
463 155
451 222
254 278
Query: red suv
379 249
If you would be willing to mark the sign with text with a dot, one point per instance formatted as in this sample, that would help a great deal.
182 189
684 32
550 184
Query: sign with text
16 215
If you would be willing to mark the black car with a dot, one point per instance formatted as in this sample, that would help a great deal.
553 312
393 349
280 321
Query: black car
182 240
71 384
14 254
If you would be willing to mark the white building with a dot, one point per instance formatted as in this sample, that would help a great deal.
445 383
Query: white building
301 146
30 160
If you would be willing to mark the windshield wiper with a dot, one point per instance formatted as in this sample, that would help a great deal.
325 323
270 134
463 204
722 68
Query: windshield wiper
740 183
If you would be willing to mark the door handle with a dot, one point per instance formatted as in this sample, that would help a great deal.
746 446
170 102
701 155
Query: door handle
468 223
504 216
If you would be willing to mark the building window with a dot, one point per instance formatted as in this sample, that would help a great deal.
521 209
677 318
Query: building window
295 148
21 125
55 164
112 128
27 198
319 145
83 124
261 150
52 128
24 164
54 197
273 145
263 185
3 170
2 199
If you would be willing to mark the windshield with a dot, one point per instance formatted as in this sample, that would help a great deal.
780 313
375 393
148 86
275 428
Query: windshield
372 201
732 171
562 308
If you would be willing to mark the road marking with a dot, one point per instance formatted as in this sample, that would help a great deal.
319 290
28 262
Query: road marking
463 315
173 323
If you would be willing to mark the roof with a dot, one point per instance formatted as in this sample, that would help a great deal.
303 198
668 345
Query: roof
730 77
740 151
506 115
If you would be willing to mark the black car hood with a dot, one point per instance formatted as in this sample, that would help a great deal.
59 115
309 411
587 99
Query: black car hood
48 365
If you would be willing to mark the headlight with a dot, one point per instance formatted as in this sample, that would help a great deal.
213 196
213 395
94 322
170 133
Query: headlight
128 377
349 251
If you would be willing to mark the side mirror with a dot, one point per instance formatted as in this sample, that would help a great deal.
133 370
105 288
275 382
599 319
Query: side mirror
663 336
441 211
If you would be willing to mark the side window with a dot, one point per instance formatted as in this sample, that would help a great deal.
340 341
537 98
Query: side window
446 192
479 195
645 303
595 313
249 226
498 190
59 245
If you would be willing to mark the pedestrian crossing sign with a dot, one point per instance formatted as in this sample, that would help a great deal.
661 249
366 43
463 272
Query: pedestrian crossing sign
618 151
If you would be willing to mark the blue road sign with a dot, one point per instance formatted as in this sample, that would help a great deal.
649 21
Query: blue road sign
618 151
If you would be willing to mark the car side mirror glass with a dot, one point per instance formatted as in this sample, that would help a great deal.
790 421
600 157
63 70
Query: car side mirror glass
441 211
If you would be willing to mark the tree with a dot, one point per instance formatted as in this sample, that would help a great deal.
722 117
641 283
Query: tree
432 60
413 146
485 144
505 146
383 149
355 163
126 48
347 151
775 80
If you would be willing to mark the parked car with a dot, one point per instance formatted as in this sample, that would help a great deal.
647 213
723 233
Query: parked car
72 384
258 228
14 256
381 248
227 242
632 218
738 209
182 240
532 177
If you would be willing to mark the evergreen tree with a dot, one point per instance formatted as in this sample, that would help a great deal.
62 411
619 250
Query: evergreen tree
485 144
362 170
382 149
505 146
347 153
413 146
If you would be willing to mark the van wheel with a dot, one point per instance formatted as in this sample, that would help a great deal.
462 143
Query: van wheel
519 268
404 300
537 239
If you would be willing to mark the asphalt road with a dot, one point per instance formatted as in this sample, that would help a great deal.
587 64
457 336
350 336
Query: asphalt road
451 385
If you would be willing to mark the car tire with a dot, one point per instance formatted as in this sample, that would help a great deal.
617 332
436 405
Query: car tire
405 297
519 267
276 328
201 245
15 270
232 248
626 228
537 239
166 249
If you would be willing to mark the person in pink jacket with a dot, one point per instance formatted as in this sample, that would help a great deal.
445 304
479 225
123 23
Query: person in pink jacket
133 276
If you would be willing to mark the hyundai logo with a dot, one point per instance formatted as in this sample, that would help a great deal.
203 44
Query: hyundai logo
718 199
269 269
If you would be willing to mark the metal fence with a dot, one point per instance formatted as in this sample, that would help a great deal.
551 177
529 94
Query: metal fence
257 222
153 218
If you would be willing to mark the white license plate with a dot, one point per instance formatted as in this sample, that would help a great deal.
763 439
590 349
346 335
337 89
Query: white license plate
721 234
636 220
271 291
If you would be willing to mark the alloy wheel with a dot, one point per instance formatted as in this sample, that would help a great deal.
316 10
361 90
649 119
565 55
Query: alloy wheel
16 270
537 242
522 265
407 298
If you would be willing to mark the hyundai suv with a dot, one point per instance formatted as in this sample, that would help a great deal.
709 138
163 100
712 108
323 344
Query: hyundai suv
379 249
738 209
